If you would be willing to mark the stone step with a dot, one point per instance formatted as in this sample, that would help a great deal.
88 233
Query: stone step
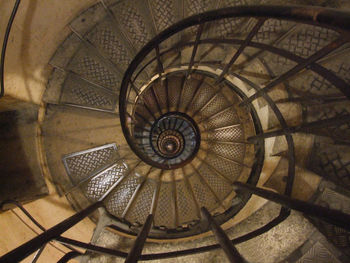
294 239
316 249
334 197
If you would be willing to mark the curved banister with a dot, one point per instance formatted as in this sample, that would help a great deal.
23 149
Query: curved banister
4 47
336 20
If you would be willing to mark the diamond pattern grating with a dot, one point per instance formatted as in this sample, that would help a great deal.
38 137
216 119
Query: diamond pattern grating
79 92
203 194
120 197
82 164
163 13
226 168
186 204
318 253
88 66
219 185
165 211
229 134
132 22
96 187
141 208
104 38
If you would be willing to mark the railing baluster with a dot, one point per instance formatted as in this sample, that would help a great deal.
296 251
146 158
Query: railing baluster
133 86
207 52
142 128
167 93
225 243
183 83
302 65
204 182
4 47
38 254
36 243
139 243
143 118
160 64
149 110
332 216
241 49
215 170
190 190
69 256
273 43
176 210
307 127
195 47
156 194
91 247
136 192
195 94
156 99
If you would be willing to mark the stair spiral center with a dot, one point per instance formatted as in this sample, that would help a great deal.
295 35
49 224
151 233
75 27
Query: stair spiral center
175 136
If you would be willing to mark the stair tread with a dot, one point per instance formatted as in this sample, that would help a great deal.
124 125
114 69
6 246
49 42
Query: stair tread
77 91
93 62
89 65
337 198
140 32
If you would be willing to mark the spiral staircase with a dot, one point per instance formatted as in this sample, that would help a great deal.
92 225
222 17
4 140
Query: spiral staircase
160 107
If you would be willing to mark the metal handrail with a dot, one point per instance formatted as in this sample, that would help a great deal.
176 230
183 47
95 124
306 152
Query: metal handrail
29 216
4 47
328 18
333 216
316 16
336 20
36 243
226 244
20 206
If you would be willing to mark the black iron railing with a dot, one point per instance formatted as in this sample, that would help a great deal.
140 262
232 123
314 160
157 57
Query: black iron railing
54 234
153 53
152 58
4 46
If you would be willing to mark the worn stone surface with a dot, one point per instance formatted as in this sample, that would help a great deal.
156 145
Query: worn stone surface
316 249
334 197
272 246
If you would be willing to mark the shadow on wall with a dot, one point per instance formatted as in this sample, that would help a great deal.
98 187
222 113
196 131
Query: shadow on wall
24 51
38 29
18 64
20 177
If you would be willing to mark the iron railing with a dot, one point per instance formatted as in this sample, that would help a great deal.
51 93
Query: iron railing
152 57
54 234
4 46
338 21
